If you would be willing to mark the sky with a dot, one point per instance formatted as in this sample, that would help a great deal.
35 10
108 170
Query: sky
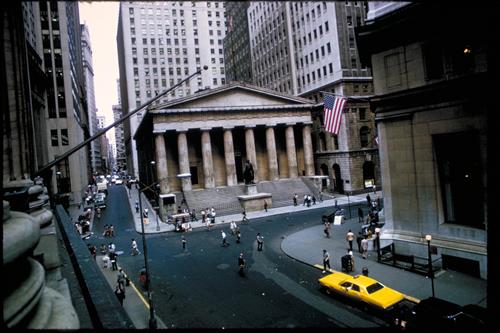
101 18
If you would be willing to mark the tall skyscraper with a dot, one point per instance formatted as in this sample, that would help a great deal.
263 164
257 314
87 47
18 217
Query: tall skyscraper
161 43
237 52
66 120
88 72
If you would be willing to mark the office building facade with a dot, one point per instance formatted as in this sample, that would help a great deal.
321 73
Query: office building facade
160 44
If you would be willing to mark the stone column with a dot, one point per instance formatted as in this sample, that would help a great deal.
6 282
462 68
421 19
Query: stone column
271 154
161 163
208 164
308 150
229 157
184 160
250 148
291 152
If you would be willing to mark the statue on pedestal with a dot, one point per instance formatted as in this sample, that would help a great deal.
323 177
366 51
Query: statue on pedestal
248 173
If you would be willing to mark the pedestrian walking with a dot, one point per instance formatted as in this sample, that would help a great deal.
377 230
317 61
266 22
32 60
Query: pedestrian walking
120 278
135 249
241 263
137 206
320 196
265 205
326 261
183 240
224 241
238 236
113 258
260 242
212 214
368 200
360 215
120 294
350 237
93 250
327 229
364 247
295 198
305 200
358 240
314 200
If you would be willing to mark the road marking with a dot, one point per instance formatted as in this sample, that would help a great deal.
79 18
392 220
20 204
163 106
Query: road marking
146 304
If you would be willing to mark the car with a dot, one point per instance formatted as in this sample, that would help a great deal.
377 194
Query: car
100 200
331 217
446 314
361 288
119 181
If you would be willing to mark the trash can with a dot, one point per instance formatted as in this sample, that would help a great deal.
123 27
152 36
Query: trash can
364 271
346 263
143 278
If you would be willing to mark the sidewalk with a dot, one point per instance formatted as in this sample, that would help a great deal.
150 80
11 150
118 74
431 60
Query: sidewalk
160 227
307 246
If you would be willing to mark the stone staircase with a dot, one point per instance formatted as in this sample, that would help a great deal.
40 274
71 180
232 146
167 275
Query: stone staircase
225 199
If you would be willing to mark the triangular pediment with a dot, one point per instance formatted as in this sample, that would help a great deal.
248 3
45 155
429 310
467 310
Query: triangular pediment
234 95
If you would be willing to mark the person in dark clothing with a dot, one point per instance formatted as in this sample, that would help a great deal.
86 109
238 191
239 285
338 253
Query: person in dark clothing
238 236
120 294
360 215
265 205
358 240
241 263
368 200
260 242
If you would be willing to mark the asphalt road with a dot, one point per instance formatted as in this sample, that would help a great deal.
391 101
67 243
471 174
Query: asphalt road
200 287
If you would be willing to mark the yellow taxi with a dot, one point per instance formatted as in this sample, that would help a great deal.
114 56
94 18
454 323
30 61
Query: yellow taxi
361 288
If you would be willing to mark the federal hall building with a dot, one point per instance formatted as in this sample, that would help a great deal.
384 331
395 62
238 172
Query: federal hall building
203 141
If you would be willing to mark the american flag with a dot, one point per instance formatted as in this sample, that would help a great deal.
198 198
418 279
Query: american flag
333 107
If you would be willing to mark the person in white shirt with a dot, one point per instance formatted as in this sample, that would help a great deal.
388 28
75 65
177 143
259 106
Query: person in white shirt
135 250
224 242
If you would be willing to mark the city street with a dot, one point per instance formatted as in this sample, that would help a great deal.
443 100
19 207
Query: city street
201 287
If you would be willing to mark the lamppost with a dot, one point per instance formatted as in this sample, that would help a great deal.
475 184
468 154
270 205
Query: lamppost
377 232
152 317
349 204
58 174
157 207
428 238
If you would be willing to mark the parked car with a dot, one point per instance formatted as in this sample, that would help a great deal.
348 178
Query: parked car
361 288
100 200
118 181
445 314
331 217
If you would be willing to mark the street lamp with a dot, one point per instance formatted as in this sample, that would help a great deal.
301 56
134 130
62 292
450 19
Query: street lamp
157 208
58 173
377 232
348 204
428 238
152 317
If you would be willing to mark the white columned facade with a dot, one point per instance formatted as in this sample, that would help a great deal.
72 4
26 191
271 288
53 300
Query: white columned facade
184 159
161 163
250 149
271 154
291 151
206 152
229 157
308 151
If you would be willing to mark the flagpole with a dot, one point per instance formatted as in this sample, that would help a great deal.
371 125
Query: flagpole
349 98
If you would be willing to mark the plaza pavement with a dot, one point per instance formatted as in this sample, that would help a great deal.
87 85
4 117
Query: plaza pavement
306 246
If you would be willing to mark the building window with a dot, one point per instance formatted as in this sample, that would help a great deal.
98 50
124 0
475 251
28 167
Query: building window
364 136
54 139
362 113
64 137
459 177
